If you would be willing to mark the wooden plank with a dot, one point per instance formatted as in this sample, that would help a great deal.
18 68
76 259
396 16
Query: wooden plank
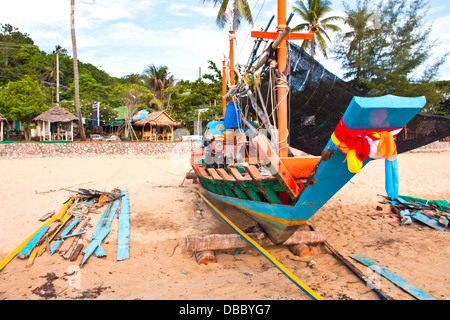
232 183
25 252
204 173
221 183
276 167
225 175
260 182
76 252
428 221
395 279
56 233
99 251
123 237
66 245
79 235
47 216
69 228
11 256
235 172
94 244
242 181
274 35
381 293
69 252
233 240
31 257
101 221
55 246
208 181
214 174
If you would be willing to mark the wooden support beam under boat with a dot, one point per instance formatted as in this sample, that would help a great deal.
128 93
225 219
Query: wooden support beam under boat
205 257
234 241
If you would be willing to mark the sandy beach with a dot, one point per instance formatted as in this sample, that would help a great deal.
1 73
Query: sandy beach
163 212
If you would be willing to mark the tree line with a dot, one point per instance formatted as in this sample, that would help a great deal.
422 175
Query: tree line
28 85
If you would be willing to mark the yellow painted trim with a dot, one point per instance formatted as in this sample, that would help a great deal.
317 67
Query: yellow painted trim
282 268
280 220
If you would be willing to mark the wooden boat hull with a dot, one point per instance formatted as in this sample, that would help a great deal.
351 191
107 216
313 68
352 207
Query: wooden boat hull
274 219
281 221
281 203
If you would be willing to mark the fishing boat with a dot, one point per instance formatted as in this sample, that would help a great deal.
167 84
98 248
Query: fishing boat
251 167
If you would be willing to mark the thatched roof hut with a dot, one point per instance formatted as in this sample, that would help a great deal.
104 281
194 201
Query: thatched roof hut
158 120
55 115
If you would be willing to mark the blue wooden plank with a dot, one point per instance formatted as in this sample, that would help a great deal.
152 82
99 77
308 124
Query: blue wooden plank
395 279
55 246
99 251
100 223
25 252
112 213
123 238
94 244
428 221
69 228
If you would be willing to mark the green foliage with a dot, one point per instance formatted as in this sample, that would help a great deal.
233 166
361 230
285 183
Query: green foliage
241 11
192 96
22 100
387 47
21 62
315 21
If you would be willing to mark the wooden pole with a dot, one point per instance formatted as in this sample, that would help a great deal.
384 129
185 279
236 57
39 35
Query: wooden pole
231 60
57 76
233 241
282 90
224 89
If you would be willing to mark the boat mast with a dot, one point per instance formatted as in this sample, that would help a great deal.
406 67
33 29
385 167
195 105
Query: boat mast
232 61
282 88
224 89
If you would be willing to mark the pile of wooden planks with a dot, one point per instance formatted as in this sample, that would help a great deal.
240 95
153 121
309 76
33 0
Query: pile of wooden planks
434 213
68 231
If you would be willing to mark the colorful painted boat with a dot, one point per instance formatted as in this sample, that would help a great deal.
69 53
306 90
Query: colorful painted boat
282 194
240 166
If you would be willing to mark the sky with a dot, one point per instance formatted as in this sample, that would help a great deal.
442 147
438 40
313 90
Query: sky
122 37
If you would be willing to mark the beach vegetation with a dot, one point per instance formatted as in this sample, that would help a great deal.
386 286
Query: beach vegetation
316 19
388 49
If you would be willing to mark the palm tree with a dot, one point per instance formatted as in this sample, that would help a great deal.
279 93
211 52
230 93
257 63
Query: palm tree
313 13
159 79
75 70
241 11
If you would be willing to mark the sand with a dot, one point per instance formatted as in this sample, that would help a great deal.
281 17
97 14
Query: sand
163 213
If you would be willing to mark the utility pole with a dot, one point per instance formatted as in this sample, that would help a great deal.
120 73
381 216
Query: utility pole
58 47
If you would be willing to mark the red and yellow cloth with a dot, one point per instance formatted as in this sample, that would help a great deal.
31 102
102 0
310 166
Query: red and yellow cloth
359 145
